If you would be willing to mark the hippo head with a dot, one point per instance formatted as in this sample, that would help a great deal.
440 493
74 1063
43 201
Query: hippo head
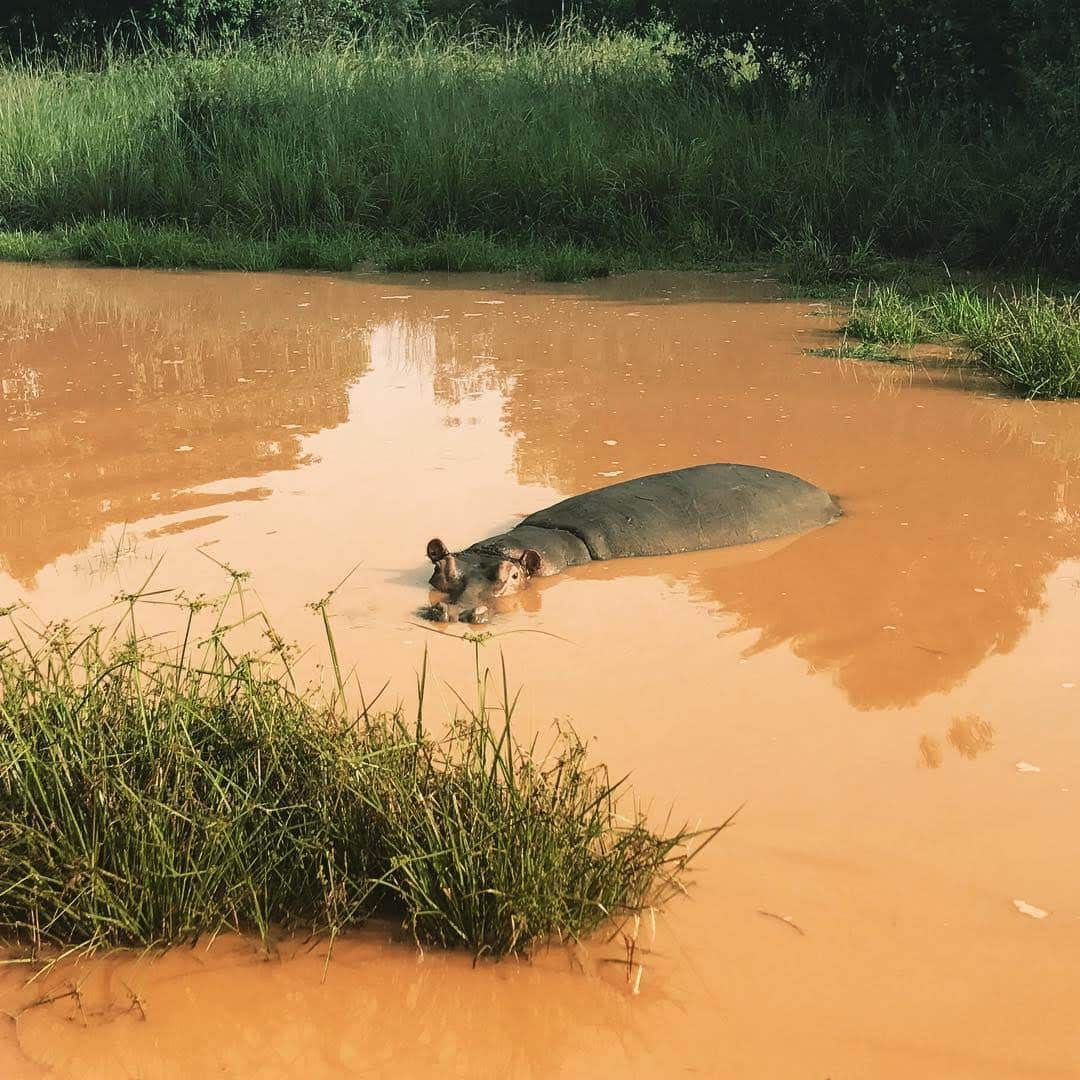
472 579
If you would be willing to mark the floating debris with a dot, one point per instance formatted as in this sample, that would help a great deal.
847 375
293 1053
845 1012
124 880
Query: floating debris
787 919
1030 909
1026 766
184 449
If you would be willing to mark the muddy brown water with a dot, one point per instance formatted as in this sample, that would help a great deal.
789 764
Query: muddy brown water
867 691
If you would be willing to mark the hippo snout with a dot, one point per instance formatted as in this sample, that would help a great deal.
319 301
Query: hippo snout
445 613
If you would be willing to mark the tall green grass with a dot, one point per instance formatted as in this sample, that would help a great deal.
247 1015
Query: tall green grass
886 315
1032 346
892 315
150 797
609 143
124 242
1029 341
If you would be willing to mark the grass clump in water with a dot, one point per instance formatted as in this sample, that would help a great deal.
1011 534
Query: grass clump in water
957 313
148 798
1030 341
889 314
124 242
490 844
886 315
451 253
1032 345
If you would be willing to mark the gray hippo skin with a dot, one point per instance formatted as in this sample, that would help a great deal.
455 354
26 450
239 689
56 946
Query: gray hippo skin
706 506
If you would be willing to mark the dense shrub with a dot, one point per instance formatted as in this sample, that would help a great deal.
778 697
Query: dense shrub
977 54
590 140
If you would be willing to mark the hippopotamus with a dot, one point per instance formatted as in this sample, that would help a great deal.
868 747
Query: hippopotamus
692 509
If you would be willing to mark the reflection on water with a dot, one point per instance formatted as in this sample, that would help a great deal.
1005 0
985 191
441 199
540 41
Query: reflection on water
930 752
969 736
128 395
233 1010
122 393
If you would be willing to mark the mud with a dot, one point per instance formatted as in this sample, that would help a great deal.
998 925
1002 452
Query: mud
876 693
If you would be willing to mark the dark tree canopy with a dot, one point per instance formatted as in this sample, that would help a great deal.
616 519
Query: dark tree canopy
982 52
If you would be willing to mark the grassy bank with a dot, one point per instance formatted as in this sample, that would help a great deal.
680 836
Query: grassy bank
148 798
122 242
1029 341
565 158
607 148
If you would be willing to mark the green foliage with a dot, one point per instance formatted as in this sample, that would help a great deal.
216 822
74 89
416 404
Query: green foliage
1030 341
1032 345
569 262
980 57
490 843
894 315
950 52
815 263
73 26
122 242
451 252
150 797
957 313
595 142
886 315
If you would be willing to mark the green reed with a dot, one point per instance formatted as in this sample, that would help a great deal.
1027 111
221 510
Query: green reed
151 796
1029 340
1032 345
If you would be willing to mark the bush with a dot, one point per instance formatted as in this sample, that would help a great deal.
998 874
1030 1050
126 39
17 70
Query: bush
592 141
147 798
76 24
1032 346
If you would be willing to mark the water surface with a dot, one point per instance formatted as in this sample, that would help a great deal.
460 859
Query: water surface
866 690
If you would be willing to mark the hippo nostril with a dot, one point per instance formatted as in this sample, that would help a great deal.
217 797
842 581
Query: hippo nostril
436 613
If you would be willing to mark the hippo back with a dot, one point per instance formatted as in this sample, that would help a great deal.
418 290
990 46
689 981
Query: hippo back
706 506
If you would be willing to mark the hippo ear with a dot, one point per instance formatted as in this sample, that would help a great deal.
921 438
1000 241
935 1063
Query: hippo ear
437 550
531 561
